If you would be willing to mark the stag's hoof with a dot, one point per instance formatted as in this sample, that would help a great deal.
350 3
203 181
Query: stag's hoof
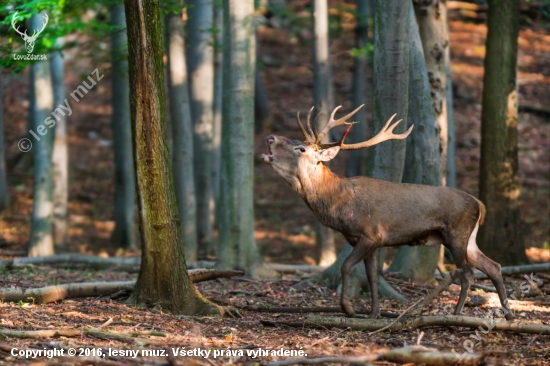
348 309
509 316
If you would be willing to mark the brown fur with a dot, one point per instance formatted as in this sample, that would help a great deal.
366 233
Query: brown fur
373 213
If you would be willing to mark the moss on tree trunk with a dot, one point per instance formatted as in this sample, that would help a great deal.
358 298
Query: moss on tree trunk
163 280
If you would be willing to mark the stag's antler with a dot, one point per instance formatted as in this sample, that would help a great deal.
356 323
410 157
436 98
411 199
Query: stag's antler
333 123
13 20
385 134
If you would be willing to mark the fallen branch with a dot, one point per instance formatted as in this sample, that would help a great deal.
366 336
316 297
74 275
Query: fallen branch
397 319
512 270
88 289
406 355
427 321
297 310
293 268
77 333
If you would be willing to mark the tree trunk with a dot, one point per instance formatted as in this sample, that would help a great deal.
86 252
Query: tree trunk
432 21
355 165
501 238
218 97
451 141
163 280
391 79
182 133
60 152
200 65
41 240
237 247
323 100
124 234
4 193
422 165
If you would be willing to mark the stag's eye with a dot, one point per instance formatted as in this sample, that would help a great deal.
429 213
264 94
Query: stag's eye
301 148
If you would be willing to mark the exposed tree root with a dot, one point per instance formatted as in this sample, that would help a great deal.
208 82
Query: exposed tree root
427 321
124 336
406 355
87 289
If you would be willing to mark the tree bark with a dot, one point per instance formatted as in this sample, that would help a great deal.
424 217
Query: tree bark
451 139
124 234
218 98
182 133
323 100
237 246
200 66
422 165
4 192
355 165
501 238
163 280
60 151
41 240
432 21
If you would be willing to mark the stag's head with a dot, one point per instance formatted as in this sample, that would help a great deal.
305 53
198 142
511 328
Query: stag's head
293 158
29 40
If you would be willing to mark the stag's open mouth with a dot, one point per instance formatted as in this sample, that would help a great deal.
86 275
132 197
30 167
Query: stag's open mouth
268 158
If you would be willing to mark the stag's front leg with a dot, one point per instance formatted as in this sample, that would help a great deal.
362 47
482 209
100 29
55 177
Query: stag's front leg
372 274
359 252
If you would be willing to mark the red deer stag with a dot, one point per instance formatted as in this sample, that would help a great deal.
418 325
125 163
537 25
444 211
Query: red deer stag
372 213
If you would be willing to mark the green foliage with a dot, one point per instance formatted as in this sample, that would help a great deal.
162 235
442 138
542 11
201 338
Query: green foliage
89 19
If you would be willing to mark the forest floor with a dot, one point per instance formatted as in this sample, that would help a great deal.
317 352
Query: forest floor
284 225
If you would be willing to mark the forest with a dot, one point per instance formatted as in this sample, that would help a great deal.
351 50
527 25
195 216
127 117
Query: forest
175 187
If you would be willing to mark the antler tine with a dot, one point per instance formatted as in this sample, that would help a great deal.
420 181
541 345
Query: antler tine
311 132
44 23
385 134
13 18
308 137
339 143
333 123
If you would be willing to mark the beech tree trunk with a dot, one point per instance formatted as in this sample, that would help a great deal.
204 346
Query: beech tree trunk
182 133
163 280
355 165
218 97
451 140
124 234
200 66
60 152
422 165
237 246
41 239
323 99
432 21
4 193
501 238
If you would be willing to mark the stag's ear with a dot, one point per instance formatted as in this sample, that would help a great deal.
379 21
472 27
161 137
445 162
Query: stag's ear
328 154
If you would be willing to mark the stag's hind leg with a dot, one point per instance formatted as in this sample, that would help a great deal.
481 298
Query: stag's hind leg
491 269
456 242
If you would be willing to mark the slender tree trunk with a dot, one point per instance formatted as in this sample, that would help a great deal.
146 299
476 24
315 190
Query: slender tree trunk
182 134
422 164
163 281
41 240
501 238
237 247
218 96
451 141
323 100
355 164
432 21
4 193
391 86
124 235
60 152
200 65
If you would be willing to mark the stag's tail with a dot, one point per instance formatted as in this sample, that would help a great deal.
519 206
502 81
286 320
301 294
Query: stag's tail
482 212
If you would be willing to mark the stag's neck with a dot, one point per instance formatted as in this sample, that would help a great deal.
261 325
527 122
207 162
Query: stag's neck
318 186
